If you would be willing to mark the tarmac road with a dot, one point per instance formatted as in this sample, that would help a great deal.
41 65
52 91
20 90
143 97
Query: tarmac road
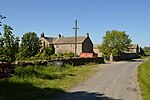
113 81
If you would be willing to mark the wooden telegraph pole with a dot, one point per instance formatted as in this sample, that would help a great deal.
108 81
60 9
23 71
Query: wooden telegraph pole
75 28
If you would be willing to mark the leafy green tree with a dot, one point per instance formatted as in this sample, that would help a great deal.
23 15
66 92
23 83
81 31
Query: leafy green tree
1 39
9 45
147 50
1 18
1 44
48 51
115 43
29 45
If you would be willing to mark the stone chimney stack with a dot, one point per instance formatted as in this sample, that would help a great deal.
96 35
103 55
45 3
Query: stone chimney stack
59 36
87 34
42 35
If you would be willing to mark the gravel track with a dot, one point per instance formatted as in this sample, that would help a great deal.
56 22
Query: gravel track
113 81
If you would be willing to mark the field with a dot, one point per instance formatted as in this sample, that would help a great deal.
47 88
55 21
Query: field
42 82
144 79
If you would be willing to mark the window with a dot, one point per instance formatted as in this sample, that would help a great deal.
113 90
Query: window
57 46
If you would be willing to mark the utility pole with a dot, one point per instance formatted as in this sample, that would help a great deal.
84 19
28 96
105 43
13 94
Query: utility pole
75 28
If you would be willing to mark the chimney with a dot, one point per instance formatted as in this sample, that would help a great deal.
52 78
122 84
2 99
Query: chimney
59 36
87 34
42 35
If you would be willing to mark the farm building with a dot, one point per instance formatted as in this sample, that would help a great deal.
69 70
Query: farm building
67 44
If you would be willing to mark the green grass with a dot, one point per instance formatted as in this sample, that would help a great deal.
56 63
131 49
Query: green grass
144 79
41 83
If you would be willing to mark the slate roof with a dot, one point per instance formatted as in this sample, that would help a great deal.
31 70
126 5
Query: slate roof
96 46
49 39
69 40
133 46
65 40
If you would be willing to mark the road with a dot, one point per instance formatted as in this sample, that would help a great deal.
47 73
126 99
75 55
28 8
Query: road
113 81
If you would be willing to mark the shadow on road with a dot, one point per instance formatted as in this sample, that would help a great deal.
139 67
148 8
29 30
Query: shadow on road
130 60
26 91
83 95
135 60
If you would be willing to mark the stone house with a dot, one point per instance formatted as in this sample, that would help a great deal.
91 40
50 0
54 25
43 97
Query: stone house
67 44
133 48
96 50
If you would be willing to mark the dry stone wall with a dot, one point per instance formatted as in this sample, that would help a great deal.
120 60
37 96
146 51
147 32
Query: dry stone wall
60 62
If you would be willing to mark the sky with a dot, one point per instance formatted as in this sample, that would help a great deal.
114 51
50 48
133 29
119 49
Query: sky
55 17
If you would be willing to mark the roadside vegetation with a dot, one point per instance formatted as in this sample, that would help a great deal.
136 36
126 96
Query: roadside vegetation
34 82
144 79
115 43
42 82
147 51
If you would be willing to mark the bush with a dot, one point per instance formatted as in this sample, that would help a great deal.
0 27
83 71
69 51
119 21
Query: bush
54 56
64 55
70 54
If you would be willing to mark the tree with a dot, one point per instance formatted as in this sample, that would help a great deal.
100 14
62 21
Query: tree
8 45
147 50
115 43
1 44
1 39
29 45
1 18
48 51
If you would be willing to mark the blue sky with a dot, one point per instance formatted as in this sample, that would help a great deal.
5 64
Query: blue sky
94 16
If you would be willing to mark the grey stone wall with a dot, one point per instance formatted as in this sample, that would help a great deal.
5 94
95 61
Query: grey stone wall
126 56
73 61
66 48
44 43
79 61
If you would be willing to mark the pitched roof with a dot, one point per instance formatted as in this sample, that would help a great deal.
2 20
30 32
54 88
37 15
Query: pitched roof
48 39
69 40
133 46
96 46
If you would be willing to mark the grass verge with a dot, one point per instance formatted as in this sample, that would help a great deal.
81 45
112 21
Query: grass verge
41 83
144 79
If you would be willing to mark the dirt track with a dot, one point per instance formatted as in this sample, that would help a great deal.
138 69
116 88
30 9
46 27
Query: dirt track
113 81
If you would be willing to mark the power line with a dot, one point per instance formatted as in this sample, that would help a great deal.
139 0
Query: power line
86 9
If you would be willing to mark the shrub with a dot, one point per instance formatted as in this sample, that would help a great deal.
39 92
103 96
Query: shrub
70 54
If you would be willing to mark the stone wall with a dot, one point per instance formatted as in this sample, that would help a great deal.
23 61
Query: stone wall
66 48
79 61
96 49
44 43
126 56
73 61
